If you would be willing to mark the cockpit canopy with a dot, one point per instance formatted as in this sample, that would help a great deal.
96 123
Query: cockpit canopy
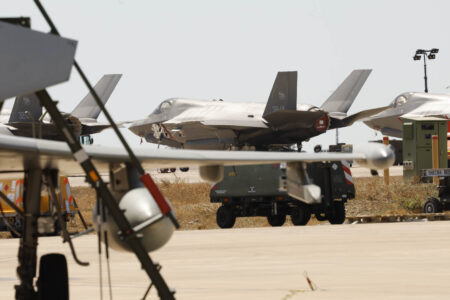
400 100
163 107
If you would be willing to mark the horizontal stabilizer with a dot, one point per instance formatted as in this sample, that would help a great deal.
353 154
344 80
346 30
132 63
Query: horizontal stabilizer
343 97
284 93
88 108
337 122
293 119
31 60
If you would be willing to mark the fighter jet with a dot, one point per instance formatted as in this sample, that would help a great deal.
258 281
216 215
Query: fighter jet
218 125
409 105
26 117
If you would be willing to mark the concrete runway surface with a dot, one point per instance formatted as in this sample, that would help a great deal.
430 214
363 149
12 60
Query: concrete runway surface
361 261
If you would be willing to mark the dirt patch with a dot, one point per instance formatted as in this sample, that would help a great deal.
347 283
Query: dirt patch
194 211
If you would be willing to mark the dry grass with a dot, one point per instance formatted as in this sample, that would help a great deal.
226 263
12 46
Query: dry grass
375 198
194 211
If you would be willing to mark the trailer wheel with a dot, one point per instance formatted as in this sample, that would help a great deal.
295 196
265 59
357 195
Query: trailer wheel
276 220
225 217
432 206
301 215
336 215
53 282
17 226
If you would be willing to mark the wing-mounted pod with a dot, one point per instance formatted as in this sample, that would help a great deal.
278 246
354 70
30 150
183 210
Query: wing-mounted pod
140 209
211 173
299 185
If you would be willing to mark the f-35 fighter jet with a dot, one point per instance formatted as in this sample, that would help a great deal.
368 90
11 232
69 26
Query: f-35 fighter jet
220 125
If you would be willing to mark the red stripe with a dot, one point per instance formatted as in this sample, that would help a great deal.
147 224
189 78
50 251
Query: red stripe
156 193
347 170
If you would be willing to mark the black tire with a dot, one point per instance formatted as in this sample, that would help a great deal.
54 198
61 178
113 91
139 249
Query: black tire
173 170
301 215
184 169
17 226
320 217
13 234
225 217
432 206
276 220
53 282
336 214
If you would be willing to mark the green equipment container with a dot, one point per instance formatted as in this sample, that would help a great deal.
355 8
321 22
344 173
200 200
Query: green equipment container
417 144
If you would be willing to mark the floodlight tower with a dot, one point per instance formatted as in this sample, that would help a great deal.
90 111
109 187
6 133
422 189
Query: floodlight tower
431 54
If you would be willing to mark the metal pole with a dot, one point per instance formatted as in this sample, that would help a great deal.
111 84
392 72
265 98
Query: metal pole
435 156
386 171
425 71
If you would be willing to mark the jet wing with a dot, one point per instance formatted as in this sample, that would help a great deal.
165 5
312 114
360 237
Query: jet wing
17 153
217 120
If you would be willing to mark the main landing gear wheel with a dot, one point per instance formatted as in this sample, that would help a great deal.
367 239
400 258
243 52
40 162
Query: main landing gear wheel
53 282
432 206
276 220
301 215
225 217
336 215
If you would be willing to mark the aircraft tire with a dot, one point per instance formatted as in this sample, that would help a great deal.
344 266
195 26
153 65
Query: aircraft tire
337 213
53 282
432 206
301 215
225 217
276 220
184 169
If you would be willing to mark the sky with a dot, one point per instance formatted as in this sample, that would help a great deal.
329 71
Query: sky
233 49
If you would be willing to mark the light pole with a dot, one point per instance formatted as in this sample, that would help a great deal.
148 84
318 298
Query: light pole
431 54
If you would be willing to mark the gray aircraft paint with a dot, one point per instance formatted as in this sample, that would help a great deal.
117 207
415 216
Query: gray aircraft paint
216 124
409 105
32 60
83 119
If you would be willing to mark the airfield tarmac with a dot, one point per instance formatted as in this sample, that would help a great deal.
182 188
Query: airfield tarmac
360 261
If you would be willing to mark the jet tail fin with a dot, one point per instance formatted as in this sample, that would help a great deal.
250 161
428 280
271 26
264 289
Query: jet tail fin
284 93
23 107
343 97
88 108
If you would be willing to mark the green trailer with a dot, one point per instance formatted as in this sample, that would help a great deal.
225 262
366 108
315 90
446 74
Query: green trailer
259 190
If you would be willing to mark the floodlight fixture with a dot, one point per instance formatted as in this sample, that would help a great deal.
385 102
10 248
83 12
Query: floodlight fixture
430 54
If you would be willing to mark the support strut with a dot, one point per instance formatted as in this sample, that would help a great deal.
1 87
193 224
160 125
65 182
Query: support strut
110 202
26 270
